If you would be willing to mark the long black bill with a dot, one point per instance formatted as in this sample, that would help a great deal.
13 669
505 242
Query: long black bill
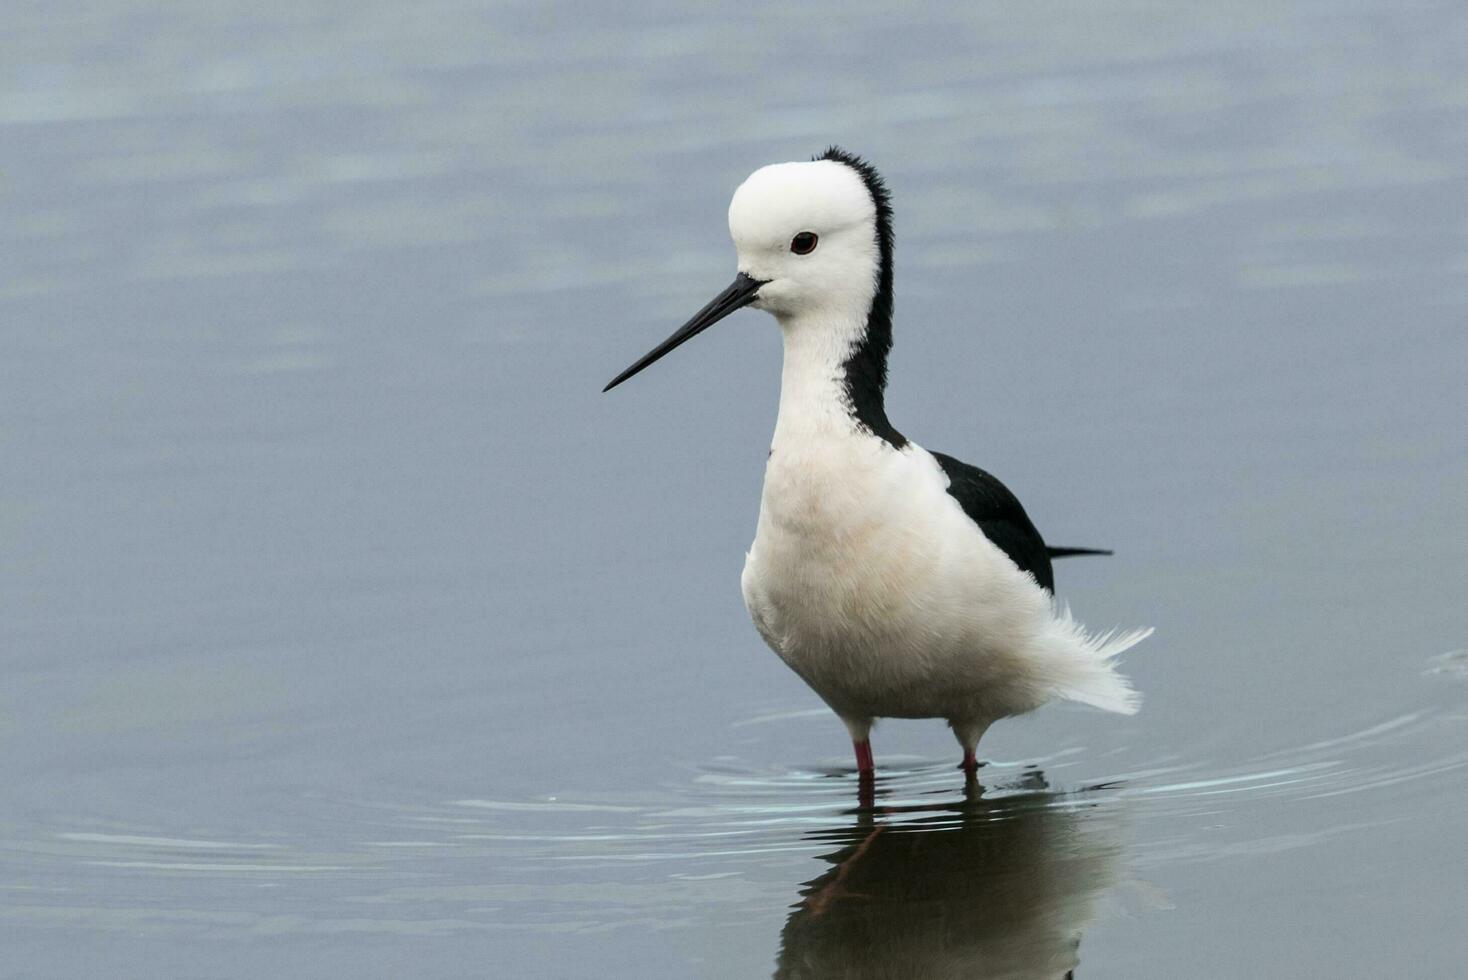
739 294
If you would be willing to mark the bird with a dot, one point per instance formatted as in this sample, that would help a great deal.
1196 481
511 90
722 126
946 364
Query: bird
896 582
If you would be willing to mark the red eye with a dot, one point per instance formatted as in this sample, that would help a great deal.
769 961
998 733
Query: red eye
804 243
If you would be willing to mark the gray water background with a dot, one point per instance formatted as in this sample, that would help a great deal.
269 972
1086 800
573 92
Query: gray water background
348 630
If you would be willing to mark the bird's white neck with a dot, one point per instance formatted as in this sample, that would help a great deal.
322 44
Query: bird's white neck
814 404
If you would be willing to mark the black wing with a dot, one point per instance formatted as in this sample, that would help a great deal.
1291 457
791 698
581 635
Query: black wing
1055 552
998 513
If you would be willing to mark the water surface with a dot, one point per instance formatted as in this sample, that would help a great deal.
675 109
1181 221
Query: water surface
348 630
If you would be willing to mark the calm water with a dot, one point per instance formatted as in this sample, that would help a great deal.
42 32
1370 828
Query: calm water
347 630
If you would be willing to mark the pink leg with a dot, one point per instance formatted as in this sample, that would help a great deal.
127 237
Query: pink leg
835 889
864 764
968 733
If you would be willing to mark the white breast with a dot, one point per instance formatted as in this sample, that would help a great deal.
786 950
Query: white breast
869 580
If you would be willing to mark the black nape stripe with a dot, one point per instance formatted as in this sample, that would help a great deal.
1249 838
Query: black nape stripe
865 370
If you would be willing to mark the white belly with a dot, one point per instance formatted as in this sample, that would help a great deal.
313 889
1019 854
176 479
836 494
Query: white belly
870 582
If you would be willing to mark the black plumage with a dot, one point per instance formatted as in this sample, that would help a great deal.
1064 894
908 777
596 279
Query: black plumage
984 499
1001 517
864 371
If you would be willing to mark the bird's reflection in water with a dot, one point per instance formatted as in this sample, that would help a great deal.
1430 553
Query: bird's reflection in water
973 887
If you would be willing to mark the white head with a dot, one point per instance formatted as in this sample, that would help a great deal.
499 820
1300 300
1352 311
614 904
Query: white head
808 231
815 249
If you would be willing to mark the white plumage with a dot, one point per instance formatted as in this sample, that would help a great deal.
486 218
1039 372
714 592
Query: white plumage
871 583
866 575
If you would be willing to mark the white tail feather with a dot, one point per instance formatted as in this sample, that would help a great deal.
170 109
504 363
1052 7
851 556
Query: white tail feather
1083 669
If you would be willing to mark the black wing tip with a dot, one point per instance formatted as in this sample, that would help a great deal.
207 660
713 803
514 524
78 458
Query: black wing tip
1075 552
